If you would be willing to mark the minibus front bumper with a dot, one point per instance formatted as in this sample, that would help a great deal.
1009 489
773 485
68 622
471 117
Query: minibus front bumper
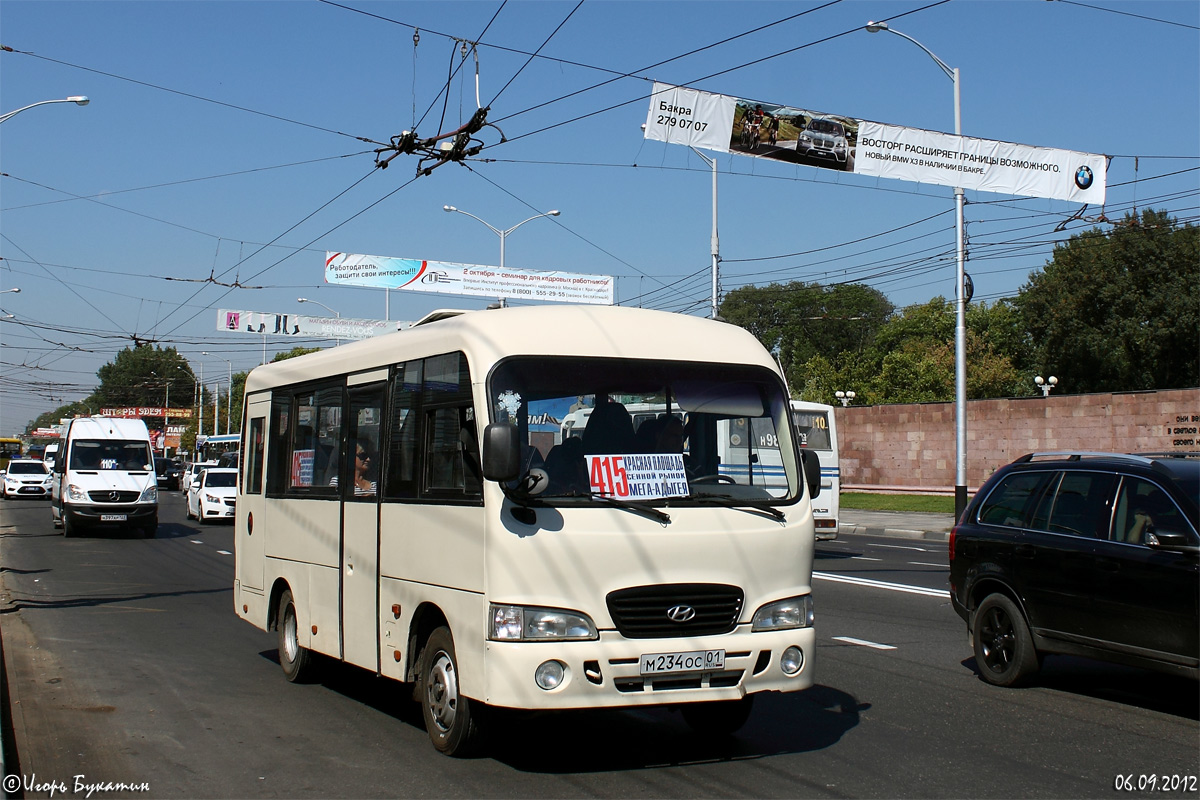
612 672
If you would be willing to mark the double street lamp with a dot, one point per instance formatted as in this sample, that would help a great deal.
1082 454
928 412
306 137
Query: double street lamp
78 100
960 293
503 234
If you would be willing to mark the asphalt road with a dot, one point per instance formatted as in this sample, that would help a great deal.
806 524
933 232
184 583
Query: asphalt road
126 664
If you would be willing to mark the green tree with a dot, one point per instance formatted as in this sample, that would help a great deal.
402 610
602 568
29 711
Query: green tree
1119 310
145 376
798 320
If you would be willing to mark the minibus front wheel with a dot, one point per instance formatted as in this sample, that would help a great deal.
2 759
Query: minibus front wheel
451 719
297 661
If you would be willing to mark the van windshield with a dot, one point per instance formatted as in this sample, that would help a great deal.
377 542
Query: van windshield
110 454
666 433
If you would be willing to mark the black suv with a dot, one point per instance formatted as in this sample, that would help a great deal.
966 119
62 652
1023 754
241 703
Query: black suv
1088 554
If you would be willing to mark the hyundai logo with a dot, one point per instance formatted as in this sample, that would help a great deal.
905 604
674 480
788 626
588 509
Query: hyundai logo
681 614
1083 177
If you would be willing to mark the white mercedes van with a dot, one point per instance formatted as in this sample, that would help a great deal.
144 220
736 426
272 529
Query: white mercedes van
104 475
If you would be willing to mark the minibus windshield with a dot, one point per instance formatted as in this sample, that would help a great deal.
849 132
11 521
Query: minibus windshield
659 432
106 454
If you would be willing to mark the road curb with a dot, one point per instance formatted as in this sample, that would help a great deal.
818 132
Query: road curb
895 533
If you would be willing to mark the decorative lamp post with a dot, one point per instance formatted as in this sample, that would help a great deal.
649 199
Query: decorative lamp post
1046 384
845 397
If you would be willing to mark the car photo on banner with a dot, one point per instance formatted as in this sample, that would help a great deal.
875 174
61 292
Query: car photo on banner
795 135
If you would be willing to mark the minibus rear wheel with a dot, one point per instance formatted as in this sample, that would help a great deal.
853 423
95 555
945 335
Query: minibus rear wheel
451 719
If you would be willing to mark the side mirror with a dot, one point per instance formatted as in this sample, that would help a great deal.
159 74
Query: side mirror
812 471
1167 540
501 452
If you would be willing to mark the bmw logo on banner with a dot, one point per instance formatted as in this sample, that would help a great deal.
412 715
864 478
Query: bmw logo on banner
1083 177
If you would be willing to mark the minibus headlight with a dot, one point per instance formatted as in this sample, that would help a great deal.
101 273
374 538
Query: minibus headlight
531 624
76 494
782 615
149 494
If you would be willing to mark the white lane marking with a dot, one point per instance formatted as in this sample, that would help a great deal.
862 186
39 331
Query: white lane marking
864 558
225 552
901 547
925 564
893 587
863 643
197 541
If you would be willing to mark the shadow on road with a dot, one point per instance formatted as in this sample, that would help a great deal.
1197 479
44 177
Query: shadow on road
1131 686
650 737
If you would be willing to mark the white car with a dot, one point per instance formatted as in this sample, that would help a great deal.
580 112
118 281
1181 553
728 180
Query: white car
191 471
211 495
27 478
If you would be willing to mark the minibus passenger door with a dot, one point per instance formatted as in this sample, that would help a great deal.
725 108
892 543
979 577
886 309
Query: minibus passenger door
250 503
359 486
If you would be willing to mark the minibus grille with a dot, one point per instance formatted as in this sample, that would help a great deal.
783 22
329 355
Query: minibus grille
658 612
113 496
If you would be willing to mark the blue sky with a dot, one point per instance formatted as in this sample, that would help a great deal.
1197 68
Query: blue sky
220 141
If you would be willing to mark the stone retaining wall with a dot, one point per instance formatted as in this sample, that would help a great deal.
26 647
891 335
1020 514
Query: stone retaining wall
911 447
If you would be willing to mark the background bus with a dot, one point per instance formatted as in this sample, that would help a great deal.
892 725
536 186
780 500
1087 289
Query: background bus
10 448
213 447
750 453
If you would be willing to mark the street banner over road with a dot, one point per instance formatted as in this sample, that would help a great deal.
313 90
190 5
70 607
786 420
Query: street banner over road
801 136
468 279
231 321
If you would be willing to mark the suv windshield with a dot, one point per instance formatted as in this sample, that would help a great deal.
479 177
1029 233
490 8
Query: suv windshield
102 454
661 432
825 126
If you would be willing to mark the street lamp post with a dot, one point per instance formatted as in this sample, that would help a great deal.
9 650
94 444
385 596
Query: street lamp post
78 100
229 410
715 243
14 290
845 397
503 234
337 340
960 297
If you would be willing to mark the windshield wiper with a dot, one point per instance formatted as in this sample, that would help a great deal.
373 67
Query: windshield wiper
741 505
628 505
540 500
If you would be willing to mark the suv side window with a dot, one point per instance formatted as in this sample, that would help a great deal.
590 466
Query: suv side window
1078 506
1142 506
1012 502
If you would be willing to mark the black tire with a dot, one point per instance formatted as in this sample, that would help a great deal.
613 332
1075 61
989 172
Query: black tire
451 719
1004 651
69 528
298 662
720 717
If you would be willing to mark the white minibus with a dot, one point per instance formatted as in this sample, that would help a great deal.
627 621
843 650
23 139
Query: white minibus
408 504
104 476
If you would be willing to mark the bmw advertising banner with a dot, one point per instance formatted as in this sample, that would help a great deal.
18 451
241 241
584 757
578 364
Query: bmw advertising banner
802 136
443 277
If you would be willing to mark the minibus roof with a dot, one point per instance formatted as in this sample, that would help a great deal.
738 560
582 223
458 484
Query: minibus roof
551 330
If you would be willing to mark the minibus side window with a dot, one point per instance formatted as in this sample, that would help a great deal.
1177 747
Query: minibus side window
400 480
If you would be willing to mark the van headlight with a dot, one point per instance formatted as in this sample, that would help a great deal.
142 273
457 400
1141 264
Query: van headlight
532 624
149 494
76 494
782 615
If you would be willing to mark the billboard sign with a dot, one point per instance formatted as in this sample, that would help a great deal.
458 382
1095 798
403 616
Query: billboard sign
444 277
830 141
233 321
